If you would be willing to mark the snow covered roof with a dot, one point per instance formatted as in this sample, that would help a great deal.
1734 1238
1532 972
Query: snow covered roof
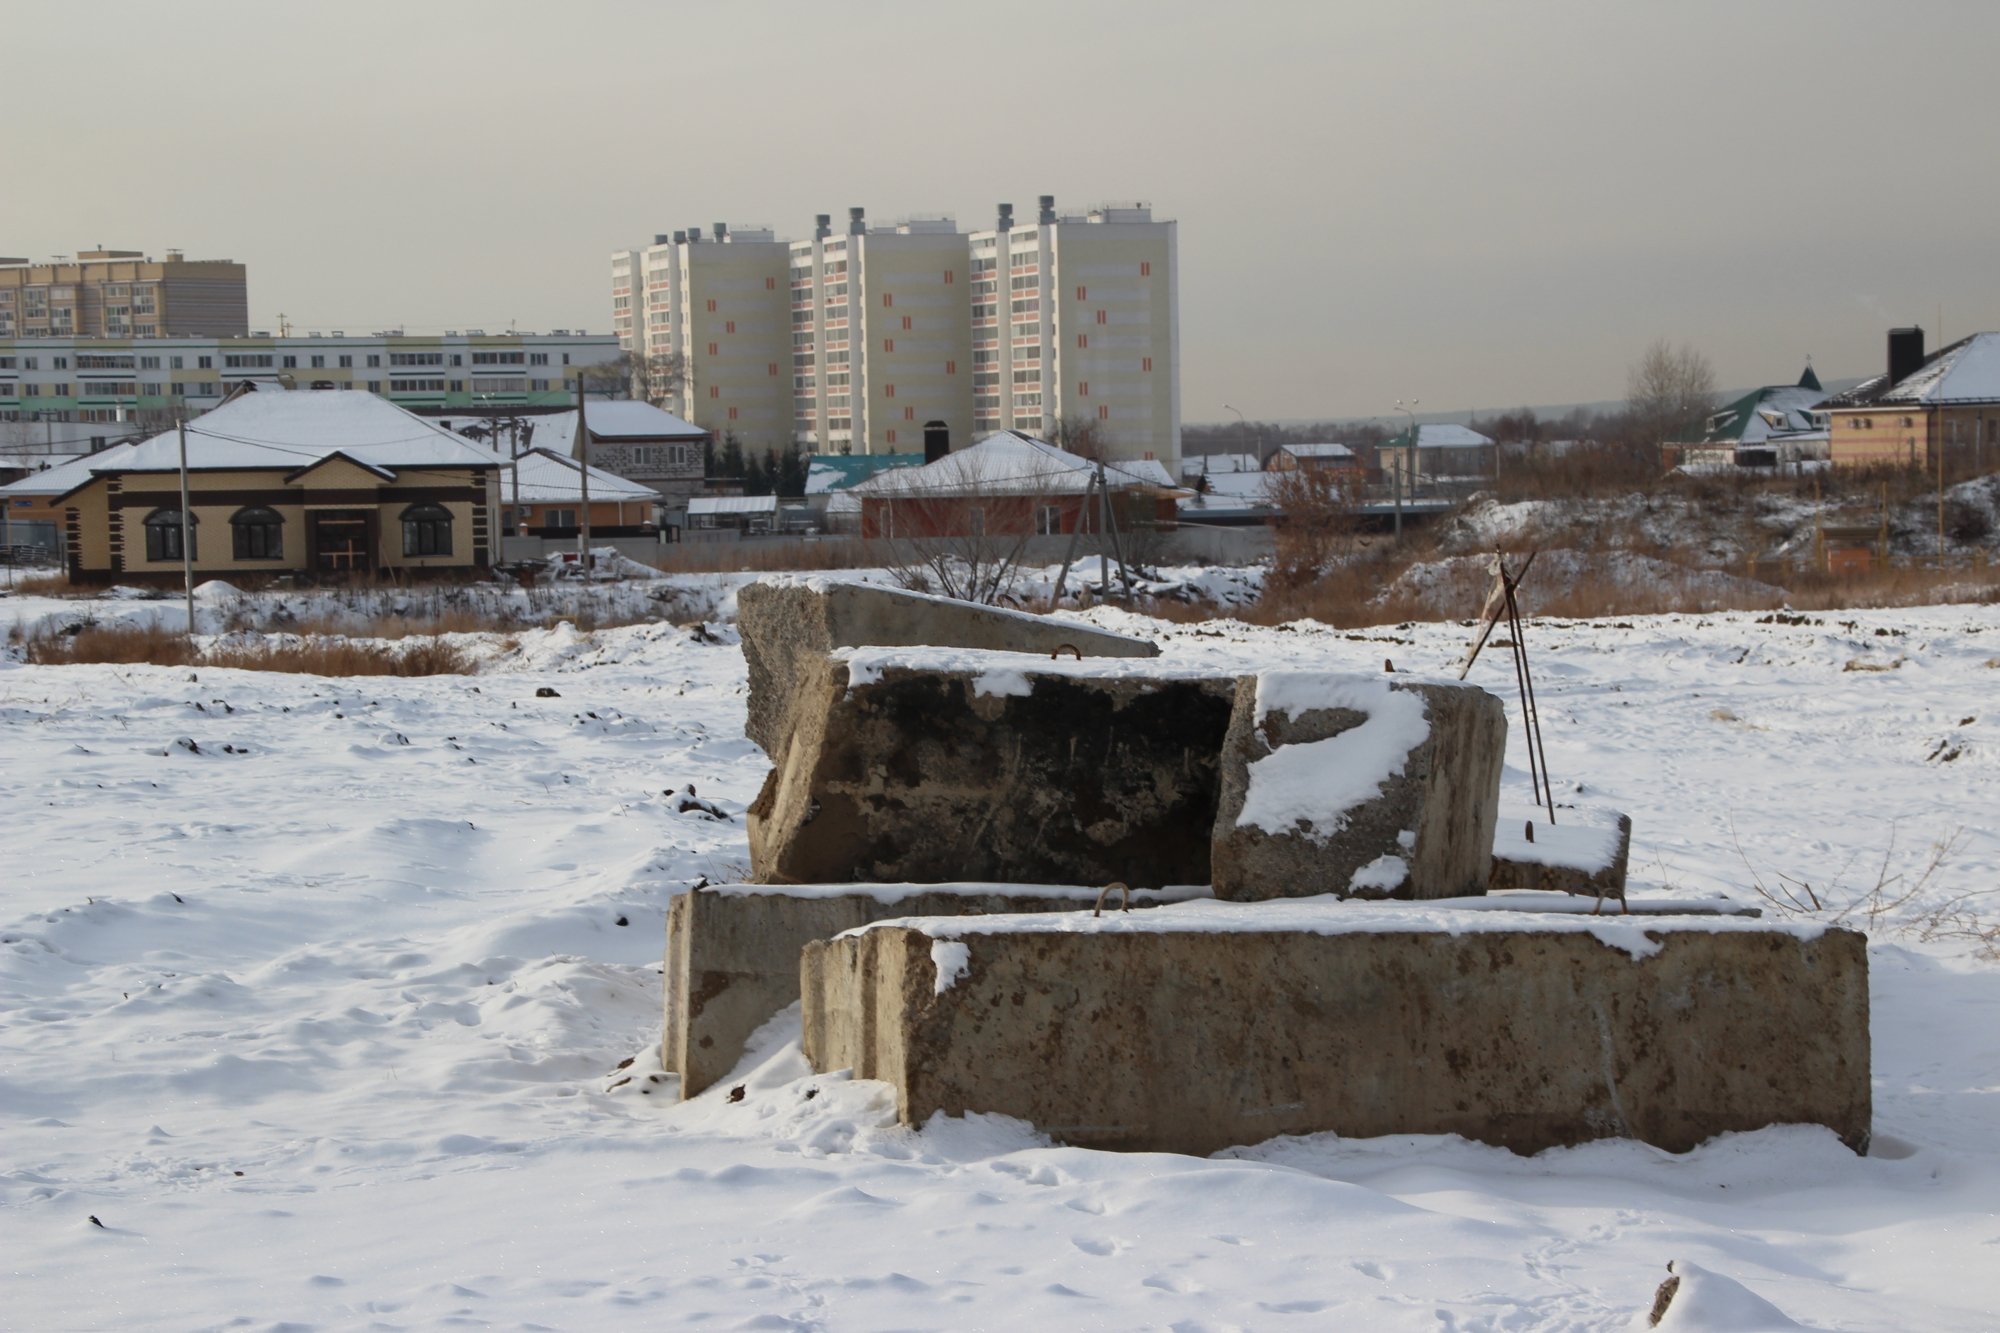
552 478
1443 435
66 476
613 421
1776 410
293 429
1320 450
1010 463
733 504
826 473
1194 465
1233 492
1967 371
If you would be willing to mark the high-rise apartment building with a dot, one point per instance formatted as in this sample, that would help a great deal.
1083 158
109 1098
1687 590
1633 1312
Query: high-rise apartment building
709 316
123 294
1076 328
879 336
1066 326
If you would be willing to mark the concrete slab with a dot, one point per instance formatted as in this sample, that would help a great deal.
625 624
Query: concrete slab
938 765
1193 1028
732 956
1586 854
784 622
1369 786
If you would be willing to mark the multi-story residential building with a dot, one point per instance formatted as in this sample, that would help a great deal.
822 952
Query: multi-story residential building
710 320
122 294
1076 329
127 379
627 300
1066 327
879 336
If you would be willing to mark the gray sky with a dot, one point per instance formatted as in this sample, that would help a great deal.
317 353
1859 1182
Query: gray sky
1476 205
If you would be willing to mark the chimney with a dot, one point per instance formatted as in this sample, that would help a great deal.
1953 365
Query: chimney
1048 209
1906 353
721 231
659 238
694 235
680 238
1006 220
822 226
857 222
937 440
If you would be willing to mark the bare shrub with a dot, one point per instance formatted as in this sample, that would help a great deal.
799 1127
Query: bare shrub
1318 523
122 645
48 585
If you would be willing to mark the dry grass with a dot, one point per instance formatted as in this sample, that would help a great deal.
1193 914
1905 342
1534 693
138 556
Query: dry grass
48 585
153 645
122 645
346 657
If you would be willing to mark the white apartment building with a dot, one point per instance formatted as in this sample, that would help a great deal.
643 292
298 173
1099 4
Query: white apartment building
1076 322
718 305
858 340
879 336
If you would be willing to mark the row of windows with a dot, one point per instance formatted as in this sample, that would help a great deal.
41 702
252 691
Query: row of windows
257 533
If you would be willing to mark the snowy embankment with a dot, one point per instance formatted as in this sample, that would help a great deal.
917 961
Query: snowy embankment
324 1020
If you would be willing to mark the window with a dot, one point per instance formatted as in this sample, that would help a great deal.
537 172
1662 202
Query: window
1103 412
291 363
177 364
888 344
1083 388
1083 340
163 535
891 437
257 534
888 391
906 321
426 530
1100 317
1048 520
951 367
729 326
347 360
1145 268
1146 363
204 363
1082 294
558 518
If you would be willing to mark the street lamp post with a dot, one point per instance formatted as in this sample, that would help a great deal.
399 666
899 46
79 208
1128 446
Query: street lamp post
1242 432
1402 460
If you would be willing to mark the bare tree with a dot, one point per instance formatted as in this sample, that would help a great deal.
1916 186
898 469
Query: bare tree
1668 391
962 529
1317 520
1080 435
657 379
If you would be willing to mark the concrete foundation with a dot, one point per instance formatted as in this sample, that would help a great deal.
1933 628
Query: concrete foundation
1140 1033
1020 770
786 624
1423 828
733 951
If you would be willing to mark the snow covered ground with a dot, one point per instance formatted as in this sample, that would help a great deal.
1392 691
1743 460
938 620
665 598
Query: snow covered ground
333 1004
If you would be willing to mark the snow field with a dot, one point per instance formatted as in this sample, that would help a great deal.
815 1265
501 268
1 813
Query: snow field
363 945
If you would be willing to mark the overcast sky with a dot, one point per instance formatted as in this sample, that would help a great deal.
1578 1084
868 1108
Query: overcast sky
1474 205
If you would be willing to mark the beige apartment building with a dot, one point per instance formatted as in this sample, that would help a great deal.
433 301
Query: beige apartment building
1076 328
715 307
857 341
880 336
123 294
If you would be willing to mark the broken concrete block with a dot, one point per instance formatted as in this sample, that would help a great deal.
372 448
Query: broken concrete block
1196 1027
785 622
733 950
933 765
1358 785
1587 854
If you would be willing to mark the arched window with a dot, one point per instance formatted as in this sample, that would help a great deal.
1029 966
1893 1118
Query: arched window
258 534
426 530
163 535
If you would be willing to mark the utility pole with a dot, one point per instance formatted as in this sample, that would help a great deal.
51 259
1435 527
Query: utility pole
187 534
1937 420
582 452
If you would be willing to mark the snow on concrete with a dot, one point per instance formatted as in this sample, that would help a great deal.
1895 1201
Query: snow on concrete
1586 840
410 990
953 959
1308 787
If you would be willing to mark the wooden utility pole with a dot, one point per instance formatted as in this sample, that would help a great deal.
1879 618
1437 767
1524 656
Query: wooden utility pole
187 533
582 452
